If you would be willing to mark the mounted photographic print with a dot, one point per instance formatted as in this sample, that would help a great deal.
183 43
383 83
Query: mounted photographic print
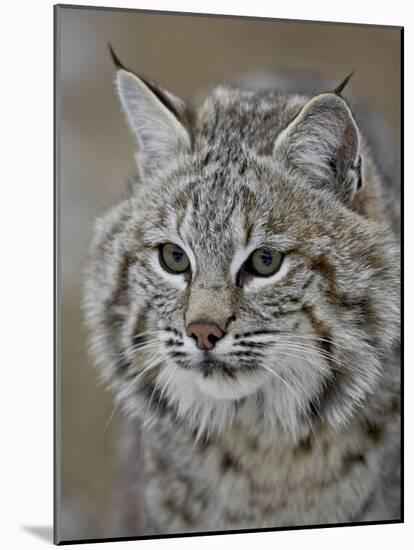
228 274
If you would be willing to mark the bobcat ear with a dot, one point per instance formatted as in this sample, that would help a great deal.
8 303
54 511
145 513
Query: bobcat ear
159 120
323 144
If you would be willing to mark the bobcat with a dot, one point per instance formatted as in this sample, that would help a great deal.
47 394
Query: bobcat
243 305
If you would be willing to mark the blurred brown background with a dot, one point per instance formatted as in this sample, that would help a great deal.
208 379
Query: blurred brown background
184 54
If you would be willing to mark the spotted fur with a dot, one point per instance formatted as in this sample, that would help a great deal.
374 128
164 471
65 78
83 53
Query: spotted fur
293 419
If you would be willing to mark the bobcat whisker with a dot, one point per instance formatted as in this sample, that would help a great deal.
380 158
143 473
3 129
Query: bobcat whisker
296 340
328 356
134 349
303 360
125 390
281 379
149 332
303 409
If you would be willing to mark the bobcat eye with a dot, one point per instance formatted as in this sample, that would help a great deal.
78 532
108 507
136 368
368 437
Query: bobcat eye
263 262
173 258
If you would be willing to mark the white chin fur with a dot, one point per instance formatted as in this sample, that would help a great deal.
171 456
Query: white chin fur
220 387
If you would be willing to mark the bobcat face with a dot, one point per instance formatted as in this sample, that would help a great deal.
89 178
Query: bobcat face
239 275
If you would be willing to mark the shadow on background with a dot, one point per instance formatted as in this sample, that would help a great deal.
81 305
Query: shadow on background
43 532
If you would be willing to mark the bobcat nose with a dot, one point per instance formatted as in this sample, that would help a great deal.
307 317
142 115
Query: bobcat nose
206 333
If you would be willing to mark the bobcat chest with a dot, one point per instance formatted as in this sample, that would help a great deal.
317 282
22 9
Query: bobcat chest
242 482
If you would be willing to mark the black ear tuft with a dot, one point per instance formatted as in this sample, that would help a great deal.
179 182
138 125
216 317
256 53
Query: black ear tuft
358 169
115 58
339 89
